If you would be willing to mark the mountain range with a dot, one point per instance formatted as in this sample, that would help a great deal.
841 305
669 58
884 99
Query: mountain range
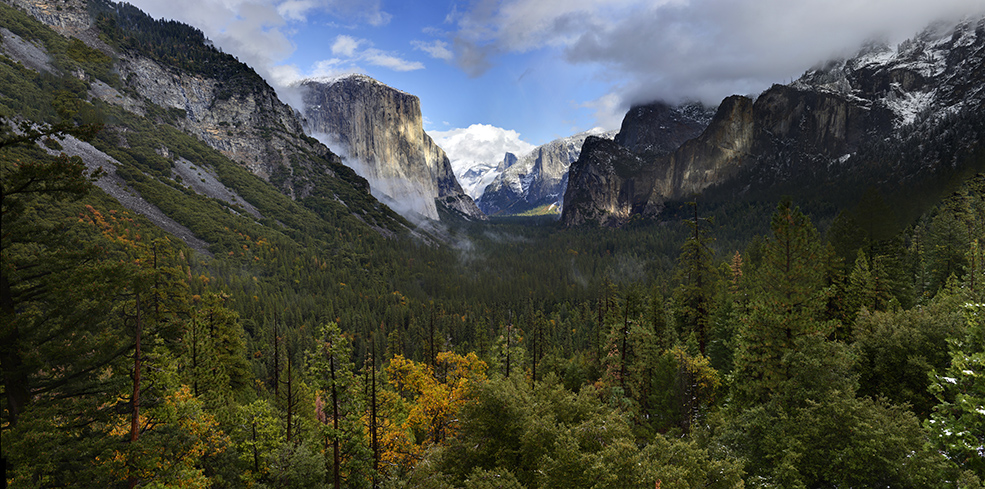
534 180
892 118
845 122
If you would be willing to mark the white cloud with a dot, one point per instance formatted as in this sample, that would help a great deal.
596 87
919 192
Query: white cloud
368 11
479 143
383 59
608 109
435 49
258 32
345 46
698 49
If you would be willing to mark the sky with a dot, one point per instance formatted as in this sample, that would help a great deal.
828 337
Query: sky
498 75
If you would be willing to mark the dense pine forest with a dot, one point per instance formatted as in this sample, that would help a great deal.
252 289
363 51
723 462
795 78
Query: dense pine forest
769 342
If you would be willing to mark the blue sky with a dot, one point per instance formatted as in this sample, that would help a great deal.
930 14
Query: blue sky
535 70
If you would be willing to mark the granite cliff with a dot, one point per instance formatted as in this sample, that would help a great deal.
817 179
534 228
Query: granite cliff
225 104
869 118
204 93
380 132
535 180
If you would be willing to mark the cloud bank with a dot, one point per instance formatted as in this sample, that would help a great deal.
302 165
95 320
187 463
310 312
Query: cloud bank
479 143
689 49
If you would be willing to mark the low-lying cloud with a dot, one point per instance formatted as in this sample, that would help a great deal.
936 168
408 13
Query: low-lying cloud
689 49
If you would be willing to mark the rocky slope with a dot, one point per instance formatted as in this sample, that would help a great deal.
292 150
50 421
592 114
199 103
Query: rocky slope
865 119
380 131
248 123
536 179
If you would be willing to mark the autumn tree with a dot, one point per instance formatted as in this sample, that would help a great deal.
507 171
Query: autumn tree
430 405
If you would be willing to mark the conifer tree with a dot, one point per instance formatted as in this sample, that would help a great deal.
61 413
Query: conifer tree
788 299
330 365
696 275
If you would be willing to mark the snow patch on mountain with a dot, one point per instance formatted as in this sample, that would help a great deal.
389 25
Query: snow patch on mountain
476 153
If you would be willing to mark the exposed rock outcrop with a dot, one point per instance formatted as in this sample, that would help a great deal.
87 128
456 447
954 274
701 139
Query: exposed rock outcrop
536 179
606 185
837 122
638 163
249 124
380 132
253 128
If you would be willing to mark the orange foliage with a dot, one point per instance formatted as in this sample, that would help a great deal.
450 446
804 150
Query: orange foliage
425 405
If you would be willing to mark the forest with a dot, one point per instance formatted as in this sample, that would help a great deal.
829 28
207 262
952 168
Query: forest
781 341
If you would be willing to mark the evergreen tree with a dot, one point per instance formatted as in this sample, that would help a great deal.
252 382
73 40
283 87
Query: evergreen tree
694 296
788 300
339 408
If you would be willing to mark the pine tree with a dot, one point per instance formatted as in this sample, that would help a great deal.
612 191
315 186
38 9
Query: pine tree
330 365
694 296
788 300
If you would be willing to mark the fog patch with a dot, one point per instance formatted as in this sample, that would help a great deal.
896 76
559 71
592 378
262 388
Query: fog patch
403 196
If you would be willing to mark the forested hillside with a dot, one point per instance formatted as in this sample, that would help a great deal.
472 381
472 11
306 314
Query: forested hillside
299 343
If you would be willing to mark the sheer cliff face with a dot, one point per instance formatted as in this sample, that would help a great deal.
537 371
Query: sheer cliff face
606 185
380 132
536 179
783 124
632 174
821 131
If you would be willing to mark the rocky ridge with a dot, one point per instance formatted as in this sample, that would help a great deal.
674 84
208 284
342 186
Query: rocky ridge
380 132
536 179
612 180
840 119
251 126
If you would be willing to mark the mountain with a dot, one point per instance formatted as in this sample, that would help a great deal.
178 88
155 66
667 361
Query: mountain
536 179
893 118
156 82
475 178
380 131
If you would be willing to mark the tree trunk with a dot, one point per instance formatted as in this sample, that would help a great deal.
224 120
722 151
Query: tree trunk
336 456
15 380
135 400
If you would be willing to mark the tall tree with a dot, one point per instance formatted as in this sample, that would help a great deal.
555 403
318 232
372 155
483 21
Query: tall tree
330 365
694 296
788 299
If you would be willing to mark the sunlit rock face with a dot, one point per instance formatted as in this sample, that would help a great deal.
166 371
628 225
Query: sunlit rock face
537 179
864 118
613 180
379 131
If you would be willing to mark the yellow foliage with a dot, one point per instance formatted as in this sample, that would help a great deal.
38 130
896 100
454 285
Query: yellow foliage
159 462
424 410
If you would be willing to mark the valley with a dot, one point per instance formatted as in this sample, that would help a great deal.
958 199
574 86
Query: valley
203 286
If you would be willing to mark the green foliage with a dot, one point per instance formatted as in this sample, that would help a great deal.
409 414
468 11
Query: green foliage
958 420
802 363
175 44
548 437
785 312
897 349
